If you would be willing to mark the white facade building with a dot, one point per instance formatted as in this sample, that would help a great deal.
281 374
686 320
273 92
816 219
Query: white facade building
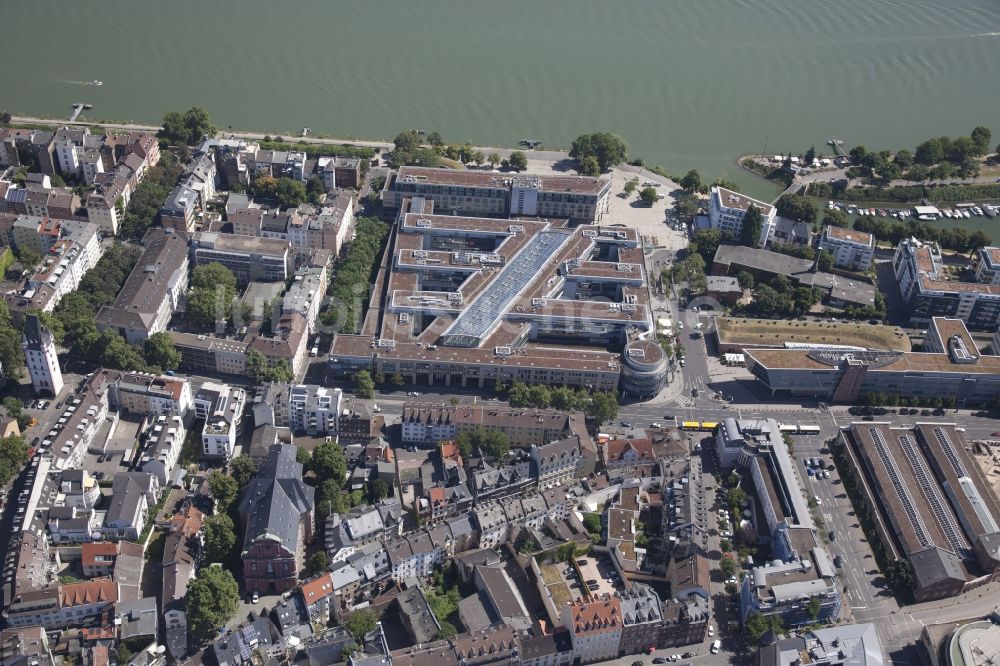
313 409
40 357
726 210
222 408
852 250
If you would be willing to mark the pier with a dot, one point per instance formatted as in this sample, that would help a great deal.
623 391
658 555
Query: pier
78 108
838 147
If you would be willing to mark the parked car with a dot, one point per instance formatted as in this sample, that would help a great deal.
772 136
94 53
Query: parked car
716 646
255 598
833 535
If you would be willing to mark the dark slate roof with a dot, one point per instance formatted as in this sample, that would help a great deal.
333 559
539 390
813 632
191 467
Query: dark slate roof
933 565
275 495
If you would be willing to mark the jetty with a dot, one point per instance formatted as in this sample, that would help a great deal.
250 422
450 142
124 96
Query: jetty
838 147
78 108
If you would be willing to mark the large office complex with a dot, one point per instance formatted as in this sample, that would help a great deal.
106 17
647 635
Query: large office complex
940 512
726 210
479 301
954 369
153 289
248 257
579 198
930 292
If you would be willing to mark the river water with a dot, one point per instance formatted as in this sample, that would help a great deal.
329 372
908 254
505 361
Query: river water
689 83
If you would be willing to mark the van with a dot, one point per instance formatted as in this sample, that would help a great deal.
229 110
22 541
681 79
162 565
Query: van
716 645
376 408
314 352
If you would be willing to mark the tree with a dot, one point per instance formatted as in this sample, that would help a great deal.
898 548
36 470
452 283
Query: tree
360 624
397 379
518 395
159 350
265 186
328 462
434 138
631 185
478 157
603 407
757 624
727 565
409 140
243 470
686 207
220 537
315 189
213 598
518 161
858 154
592 522
563 398
825 261
224 489
797 207
836 217
903 159
589 166
13 456
691 182
725 546
745 279
929 152
364 387
649 196
752 225
188 128
302 456
813 607
539 396
317 563
290 193
609 149
207 307
493 159
810 155
492 442
377 490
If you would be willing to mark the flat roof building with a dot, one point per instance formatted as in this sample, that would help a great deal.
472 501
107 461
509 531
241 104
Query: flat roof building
852 250
248 257
726 210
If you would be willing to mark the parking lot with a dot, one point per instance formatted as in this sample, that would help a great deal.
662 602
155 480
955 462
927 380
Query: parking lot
598 570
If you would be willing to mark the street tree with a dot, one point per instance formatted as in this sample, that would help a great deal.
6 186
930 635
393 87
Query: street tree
518 161
159 350
609 149
364 386
223 488
219 535
243 470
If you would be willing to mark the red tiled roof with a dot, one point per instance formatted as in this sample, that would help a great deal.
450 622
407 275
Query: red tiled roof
80 594
316 589
90 551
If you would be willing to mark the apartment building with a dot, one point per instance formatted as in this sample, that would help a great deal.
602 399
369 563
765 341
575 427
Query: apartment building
430 423
726 210
39 347
313 410
63 606
143 393
164 442
251 259
556 463
595 627
178 210
65 263
90 404
201 353
929 291
153 290
581 199
306 294
851 249
221 406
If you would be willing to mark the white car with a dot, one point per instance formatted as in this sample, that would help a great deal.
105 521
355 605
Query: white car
711 631
715 646
818 501
255 598
680 326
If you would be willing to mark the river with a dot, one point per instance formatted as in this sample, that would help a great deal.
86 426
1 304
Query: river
689 83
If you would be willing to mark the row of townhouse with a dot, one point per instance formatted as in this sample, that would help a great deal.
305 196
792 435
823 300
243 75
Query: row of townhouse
239 162
326 226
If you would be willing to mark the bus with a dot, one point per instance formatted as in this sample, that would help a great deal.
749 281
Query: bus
809 430
790 429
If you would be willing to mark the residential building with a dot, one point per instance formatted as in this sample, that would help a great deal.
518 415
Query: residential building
358 424
137 619
492 524
317 597
63 265
581 199
69 524
221 406
791 232
842 645
556 463
62 606
852 250
289 344
131 499
40 357
276 513
306 294
143 393
555 649
238 647
181 553
415 613
313 410
726 210
628 453
931 292
960 372
501 597
177 212
642 620
432 423
164 442
82 423
595 628
98 559
153 290
249 258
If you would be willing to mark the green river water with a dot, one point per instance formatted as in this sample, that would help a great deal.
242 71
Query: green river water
689 83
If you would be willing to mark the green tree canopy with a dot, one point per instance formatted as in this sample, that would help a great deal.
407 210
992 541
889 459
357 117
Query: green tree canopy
243 470
752 225
492 442
212 275
360 624
364 386
212 600
609 149
649 195
518 160
825 261
328 462
219 534
224 489
290 193
797 207
590 167
317 563
377 490
188 128
691 182
159 350
836 218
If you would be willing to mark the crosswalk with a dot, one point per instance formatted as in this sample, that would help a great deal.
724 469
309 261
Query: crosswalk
684 401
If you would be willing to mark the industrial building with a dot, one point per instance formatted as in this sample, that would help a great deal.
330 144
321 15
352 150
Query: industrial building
934 507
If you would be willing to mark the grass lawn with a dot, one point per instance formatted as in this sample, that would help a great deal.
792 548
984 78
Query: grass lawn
771 332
